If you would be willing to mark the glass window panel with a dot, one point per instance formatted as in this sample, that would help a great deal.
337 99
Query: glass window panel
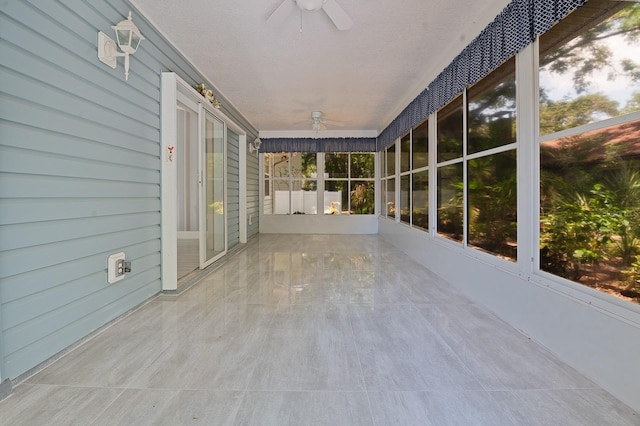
391 160
336 165
420 146
214 188
187 176
363 166
267 187
405 207
589 67
405 153
336 197
280 202
420 200
590 209
267 161
450 198
304 196
280 165
362 197
492 204
391 198
450 130
309 164
491 119
303 165
383 197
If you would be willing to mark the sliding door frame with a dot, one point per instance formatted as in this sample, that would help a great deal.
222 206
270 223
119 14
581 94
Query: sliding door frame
173 87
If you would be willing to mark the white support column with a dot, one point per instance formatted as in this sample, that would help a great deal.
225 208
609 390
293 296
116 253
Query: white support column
243 148
320 183
396 189
528 190
168 182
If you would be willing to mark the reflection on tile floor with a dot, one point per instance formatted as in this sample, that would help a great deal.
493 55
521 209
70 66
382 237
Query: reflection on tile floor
323 330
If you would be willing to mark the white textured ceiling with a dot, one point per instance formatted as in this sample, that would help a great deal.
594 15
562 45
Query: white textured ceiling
362 77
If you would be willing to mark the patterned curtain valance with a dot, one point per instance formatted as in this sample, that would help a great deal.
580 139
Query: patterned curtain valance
512 30
318 145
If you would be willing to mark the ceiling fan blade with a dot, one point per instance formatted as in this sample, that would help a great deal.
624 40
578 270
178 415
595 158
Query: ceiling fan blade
333 123
337 15
318 126
281 10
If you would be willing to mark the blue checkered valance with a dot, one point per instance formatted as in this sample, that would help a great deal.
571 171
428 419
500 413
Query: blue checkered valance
512 30
318 145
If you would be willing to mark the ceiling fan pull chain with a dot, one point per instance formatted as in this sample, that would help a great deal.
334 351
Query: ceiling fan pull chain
300 21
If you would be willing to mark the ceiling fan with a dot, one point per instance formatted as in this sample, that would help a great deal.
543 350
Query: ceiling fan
319 123
333 10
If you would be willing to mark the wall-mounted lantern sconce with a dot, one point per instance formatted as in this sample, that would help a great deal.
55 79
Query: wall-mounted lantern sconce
128 37
255 145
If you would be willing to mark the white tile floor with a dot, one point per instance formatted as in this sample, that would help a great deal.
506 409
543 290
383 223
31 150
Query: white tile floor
322 330
188 256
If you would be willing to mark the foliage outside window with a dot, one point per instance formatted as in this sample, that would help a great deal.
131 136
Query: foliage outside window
405 200
420 200
405 179
405 153
484 202
492 211
491 165
450 131
390 155
336 186
293 180
349 183
362 189
293 183
387 182
590 176
450 174
450 201
420 146
414 194
391 196
420 176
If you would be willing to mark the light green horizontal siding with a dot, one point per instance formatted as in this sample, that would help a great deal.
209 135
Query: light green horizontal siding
253 190
79 173
233 188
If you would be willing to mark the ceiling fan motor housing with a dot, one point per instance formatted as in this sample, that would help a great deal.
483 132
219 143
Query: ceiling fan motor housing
310 4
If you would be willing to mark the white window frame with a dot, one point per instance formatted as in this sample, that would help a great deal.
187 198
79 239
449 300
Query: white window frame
405 174
618 306
320 182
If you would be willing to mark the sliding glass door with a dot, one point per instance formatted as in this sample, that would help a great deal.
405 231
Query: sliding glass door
186 160
213 238
194 182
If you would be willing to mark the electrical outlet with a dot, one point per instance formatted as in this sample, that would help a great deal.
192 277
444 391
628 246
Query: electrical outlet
116 267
